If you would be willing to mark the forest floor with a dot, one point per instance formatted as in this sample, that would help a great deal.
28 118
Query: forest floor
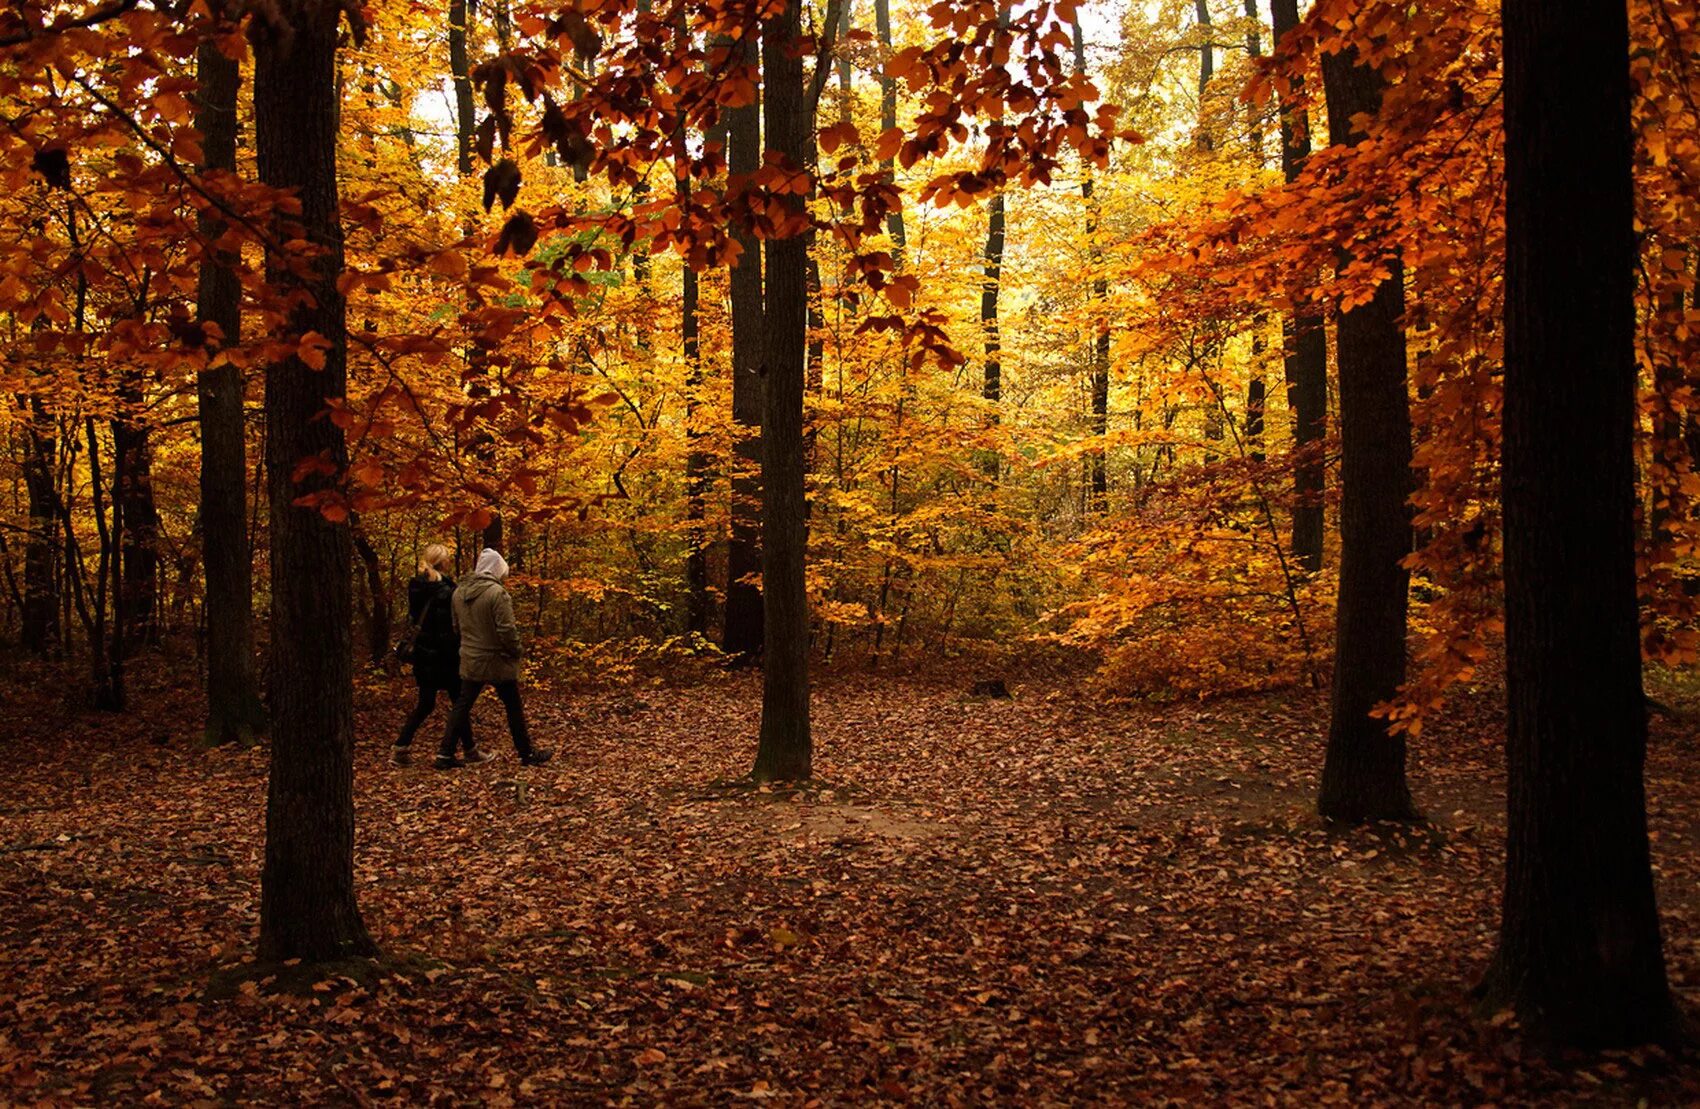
1038 900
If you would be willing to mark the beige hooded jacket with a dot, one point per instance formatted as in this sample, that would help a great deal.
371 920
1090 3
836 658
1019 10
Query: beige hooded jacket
484 617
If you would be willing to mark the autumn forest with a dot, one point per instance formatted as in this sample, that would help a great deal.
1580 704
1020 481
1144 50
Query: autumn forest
1014 551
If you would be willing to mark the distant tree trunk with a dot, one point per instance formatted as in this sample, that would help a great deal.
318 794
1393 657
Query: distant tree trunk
378 612
888 113
1580 956
1098 478
1254 48
139 540
307 901
41 624
106 657
1304 355
786 750
1206 70
1256 395
460 74
744 621
991 288
696 464
234 712
1363 777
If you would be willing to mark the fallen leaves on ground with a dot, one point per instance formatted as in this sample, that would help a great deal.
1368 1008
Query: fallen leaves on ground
1039 900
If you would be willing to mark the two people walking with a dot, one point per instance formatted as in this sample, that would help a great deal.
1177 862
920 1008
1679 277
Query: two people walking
466 640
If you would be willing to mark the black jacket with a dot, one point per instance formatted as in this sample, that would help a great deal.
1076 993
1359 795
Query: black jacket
436 650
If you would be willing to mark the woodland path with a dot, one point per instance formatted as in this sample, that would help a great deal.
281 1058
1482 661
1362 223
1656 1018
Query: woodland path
1037 900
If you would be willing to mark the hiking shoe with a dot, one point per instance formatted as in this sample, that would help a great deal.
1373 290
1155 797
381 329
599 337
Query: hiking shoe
402 756
447 762
537 757
474 757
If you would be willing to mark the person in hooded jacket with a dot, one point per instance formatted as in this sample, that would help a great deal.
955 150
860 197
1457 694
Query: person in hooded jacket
436 652
489 655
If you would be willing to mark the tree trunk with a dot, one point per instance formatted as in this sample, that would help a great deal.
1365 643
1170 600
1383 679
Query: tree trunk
1580 956
991 287
744 622
307 902
786 749
234 712
696 464
1363 777
41 624
1206 70
1098 479
139 539
460 75
888 115
1304 355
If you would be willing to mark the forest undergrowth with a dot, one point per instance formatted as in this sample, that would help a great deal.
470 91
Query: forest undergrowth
1041 899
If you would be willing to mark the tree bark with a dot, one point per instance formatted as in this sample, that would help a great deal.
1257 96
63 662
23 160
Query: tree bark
742 638
1304 354
460 75
786 749
1580 955
1098 479
234 712
696 464
888 115
307 901
139 539
42 630
1363 776
1206 70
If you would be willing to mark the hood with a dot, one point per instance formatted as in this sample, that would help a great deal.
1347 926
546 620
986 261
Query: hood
474 586
491 563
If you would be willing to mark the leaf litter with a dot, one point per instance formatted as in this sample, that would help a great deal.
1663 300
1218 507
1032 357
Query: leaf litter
1041 900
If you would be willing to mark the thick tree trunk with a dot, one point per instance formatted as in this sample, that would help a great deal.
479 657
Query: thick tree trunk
744 622
1580 955
1363 777
1304 355
307 902
234 712
786 750
888 114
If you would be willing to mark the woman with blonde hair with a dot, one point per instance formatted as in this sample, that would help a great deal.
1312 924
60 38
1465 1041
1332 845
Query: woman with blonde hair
436 651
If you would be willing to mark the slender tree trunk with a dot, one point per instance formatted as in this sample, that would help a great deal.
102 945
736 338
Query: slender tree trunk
41 624
307 901
991 288
1363 777
1206 70
696 464
744 621
460 74
1304 355
1580 956
139 540
234 712
1098 479
888 115
1254 48
786 749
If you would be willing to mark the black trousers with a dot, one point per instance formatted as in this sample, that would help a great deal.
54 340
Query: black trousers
460 717
428 691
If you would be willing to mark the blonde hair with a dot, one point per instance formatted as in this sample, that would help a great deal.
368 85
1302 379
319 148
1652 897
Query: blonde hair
435 555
